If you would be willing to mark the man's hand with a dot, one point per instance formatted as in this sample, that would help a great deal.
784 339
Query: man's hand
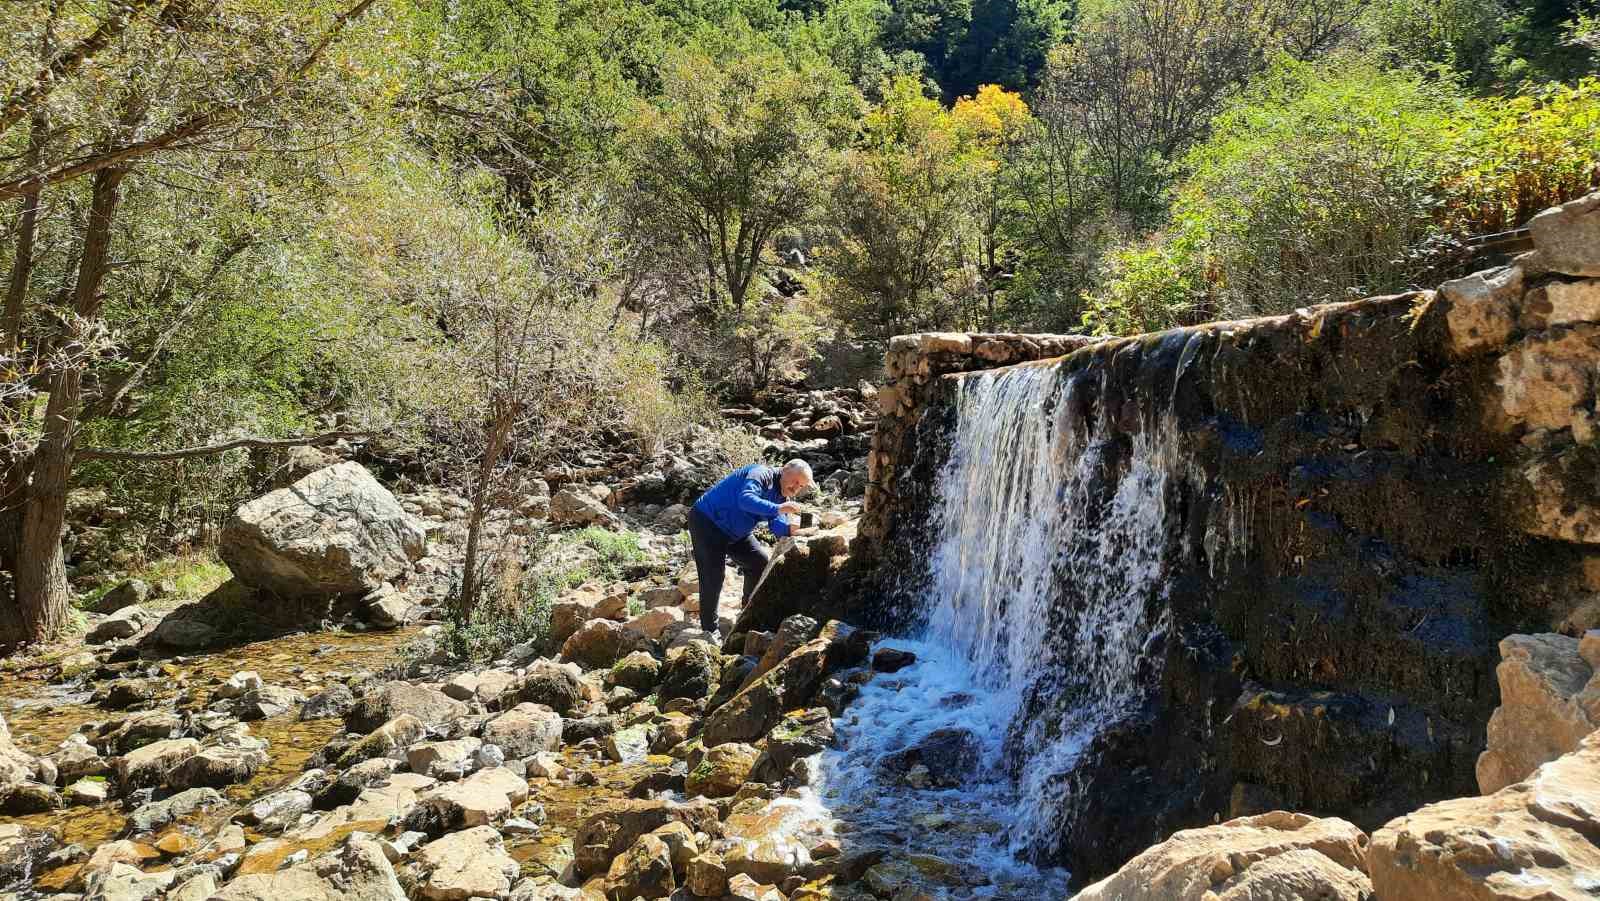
789 507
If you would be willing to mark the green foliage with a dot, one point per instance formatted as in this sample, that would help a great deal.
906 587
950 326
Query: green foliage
510 615
1494 44
733 151
968 43
1514 156
776 335
614 550
1327 182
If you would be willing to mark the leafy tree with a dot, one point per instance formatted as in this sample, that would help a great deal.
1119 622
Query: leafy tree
104 102
1344 179
728 155
900 209
991 128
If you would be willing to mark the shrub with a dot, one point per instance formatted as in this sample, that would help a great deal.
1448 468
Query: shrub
1334 181
614 550
515 609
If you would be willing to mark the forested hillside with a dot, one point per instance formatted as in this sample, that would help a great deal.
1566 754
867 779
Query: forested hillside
484 232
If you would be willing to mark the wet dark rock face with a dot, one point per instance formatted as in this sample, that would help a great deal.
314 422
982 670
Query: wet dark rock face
1362 511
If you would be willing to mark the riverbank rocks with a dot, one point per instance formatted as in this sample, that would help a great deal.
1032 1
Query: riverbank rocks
764 841
150 765
572 507
332 702
394 699
691 671
722 771
791 684
359 871
525 730
434 758
21 850
463 865
1549 701
642 871
613 829
1273 855
156 814
638 671
1538 838
600 643
390 738
227 757
126 622
334 532
557 686
486 797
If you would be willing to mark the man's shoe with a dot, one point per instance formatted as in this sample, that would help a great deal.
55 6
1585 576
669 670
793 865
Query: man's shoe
715 637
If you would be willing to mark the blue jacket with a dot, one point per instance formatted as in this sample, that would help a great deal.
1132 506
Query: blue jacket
743 500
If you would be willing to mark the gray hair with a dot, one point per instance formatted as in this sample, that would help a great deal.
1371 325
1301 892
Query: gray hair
802 467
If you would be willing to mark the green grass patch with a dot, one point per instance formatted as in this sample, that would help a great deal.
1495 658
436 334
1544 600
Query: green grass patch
614 550
192 575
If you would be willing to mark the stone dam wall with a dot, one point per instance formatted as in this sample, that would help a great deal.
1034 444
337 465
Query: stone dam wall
1370 496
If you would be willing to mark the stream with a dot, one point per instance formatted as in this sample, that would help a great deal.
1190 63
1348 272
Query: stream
41 714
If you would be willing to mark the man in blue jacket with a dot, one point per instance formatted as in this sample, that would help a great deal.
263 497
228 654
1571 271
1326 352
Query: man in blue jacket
723 520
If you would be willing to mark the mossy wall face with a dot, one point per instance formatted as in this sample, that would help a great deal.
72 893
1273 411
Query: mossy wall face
1372 495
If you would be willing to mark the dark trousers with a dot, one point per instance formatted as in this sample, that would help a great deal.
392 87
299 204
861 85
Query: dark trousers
712 550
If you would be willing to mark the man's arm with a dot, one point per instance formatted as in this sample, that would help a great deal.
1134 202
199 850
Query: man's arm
752 501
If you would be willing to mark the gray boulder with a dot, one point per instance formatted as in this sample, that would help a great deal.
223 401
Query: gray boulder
334 532
125 623
570 507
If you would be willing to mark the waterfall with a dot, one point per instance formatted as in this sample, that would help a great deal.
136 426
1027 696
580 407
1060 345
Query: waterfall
1046 574
1044 583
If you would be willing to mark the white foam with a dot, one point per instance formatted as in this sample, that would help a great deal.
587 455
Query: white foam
1045 564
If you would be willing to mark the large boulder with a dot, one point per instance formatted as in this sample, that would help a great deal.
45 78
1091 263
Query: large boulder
462 865
1549 700
807 579
334 532
482 799
1273 855
387 740
1535 839
570 507
643 871
524 730
151 764
601 643
791 684
723 770
392 699
555 685
359 871
691 671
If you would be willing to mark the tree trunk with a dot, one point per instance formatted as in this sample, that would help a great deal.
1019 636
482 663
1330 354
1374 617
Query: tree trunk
496 433
39 573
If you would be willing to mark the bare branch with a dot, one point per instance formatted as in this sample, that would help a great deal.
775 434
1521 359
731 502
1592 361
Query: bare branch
111 453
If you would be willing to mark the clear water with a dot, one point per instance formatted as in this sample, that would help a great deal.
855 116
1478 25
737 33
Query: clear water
1045 566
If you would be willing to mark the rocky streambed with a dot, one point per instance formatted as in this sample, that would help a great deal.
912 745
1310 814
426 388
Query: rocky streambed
639 761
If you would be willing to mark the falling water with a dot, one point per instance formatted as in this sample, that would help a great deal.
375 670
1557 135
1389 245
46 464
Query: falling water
1044 584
